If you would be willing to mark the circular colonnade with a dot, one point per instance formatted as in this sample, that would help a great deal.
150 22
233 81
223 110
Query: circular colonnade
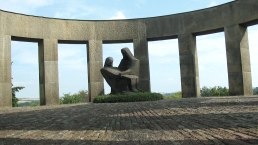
233 18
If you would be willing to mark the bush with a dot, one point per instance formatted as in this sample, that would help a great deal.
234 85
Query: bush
79 97
34 103
255 91
175 95
128 97
214 91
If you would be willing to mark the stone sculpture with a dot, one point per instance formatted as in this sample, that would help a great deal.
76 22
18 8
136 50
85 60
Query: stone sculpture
125 77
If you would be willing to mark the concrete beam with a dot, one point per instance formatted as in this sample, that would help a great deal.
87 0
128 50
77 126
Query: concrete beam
238 60
189 66
5 71
48 72
95 63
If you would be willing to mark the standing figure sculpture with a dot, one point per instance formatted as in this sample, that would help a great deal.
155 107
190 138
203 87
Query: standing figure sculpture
125 77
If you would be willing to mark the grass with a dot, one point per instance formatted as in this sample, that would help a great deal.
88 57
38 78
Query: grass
176 95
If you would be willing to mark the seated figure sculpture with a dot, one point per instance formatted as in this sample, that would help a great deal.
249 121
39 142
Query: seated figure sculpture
125 77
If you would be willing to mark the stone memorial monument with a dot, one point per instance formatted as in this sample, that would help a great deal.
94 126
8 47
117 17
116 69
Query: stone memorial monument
125 77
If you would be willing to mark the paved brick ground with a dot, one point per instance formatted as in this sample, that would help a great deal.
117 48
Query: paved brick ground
200 121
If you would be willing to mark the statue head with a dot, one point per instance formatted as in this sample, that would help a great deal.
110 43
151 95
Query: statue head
126 53
108 62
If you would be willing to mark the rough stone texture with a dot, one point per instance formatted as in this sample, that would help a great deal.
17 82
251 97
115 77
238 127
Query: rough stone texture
138 31
197 121
48 72
238 60
189 66
5 71
125 76
141 53
95 63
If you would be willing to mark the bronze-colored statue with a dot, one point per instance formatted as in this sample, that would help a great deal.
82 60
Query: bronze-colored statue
125 77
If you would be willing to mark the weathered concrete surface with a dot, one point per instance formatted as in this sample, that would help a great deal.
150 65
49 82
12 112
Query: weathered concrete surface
141 52
48 72
198 121
5 71
189 65
95 63
238 60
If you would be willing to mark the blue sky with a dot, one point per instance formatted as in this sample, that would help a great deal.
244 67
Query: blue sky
164 57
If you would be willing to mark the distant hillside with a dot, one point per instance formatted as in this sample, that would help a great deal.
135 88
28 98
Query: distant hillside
28 102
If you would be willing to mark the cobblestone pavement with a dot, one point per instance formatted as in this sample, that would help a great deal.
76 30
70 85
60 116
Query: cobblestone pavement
231 121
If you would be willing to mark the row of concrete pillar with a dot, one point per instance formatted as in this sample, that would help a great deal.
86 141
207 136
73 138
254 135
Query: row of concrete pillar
238 62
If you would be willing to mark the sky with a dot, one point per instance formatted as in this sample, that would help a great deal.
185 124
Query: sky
163 55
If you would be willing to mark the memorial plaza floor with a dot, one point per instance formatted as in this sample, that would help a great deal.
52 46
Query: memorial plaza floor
197 121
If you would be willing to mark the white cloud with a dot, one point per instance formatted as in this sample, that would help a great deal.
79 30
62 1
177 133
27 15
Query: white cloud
211 49
212 4
212 60
28 58
118 15
24 53
164 66
72 11
163 48
36 3
253 47
72 57
23 6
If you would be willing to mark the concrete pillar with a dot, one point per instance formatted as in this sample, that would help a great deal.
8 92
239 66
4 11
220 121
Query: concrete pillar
189 66
238 60
5 71
95 63
48 72
141 53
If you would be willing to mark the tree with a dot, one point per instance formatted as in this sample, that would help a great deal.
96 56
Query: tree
14 99
14 90
255 91
79 97
214 91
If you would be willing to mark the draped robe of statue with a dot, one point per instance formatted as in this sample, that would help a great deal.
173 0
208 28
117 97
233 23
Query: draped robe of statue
125 77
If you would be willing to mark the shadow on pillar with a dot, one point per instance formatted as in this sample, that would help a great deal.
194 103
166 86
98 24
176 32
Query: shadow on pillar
238 60
48 72
189 66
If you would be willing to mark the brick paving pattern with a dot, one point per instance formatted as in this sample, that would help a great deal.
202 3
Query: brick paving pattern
207 121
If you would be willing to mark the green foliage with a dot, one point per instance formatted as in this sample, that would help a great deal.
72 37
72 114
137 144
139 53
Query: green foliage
175 95
214 91
34 103
14 99
255 91
31 104
128 97
79 97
